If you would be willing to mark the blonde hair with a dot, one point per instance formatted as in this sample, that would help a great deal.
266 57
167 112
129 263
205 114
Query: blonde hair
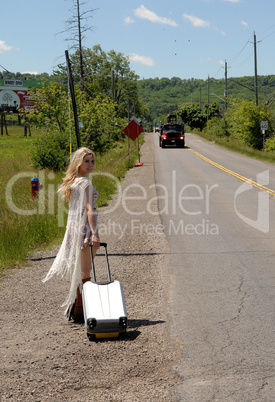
72 171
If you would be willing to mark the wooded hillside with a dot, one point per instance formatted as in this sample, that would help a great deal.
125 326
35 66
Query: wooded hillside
163 95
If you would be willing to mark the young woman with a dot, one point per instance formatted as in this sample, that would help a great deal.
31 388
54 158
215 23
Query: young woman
73 260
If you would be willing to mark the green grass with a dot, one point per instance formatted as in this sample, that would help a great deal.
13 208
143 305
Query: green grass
26 225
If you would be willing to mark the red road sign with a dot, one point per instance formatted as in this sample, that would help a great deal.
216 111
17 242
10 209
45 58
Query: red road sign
133 130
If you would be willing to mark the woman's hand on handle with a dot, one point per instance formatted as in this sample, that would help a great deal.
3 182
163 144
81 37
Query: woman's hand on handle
95 241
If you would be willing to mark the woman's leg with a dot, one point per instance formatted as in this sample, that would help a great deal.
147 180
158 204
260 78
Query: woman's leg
86 263
85 256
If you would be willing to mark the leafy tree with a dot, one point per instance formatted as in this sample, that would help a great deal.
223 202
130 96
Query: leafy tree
213 110
99 130
193 116
52 107
51 151
97 115
106 74
218 127
270 145
244 118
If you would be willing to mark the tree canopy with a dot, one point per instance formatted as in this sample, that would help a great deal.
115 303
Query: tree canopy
102 103
106 75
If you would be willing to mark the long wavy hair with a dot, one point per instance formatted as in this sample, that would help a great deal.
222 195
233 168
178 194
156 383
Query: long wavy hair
72 171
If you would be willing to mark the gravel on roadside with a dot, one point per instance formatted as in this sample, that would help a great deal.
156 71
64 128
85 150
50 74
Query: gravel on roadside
46 358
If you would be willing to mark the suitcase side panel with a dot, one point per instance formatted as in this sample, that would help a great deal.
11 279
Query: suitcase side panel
105 304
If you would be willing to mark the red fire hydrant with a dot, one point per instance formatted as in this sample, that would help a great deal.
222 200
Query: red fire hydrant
34 186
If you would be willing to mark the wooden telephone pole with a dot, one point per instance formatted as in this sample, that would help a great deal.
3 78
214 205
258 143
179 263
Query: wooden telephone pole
71 85
255 89
225 87
255 69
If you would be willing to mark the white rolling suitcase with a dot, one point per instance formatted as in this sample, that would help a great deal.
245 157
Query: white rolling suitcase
104 305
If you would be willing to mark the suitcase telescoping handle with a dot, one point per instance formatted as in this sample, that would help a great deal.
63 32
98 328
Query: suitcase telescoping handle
107 262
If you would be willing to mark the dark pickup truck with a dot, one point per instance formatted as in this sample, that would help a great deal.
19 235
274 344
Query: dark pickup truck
172 133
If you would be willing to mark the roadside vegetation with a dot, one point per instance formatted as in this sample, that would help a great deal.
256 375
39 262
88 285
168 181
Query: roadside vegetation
104 101
28 224
237 128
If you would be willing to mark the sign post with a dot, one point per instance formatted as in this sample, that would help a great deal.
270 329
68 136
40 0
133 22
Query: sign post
264 127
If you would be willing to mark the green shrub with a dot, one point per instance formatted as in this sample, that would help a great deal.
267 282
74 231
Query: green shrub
245 121
218 127
51 151
270 145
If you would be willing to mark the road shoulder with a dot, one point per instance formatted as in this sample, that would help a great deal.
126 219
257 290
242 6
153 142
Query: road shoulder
44 357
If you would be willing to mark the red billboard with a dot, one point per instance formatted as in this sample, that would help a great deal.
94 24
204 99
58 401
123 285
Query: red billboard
13 93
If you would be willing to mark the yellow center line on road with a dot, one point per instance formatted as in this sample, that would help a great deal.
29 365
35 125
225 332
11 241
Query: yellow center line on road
254 183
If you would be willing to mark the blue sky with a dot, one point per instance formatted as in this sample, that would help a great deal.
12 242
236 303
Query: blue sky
176 38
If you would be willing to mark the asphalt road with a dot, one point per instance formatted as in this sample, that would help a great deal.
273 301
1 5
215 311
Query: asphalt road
221 233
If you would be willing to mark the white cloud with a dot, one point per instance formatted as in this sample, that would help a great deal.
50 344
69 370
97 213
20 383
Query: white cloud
145 60
208 59
30 72
245 24
129 20
195 21
4 47
233 1
200 23
222 63
143 13
221 31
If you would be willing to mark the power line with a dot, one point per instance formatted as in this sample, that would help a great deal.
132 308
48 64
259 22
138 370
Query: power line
267 36
251 54
4 68
233 59
267 29
218 72
240 52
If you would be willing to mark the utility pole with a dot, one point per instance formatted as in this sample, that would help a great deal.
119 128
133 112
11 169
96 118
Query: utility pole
208 98
225 79
80 47
128 107
255 67
71 85
255 89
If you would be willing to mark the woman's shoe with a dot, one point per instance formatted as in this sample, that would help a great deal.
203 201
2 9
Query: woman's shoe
77 310
69 312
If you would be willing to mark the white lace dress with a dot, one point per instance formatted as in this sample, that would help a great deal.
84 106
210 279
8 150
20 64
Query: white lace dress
78 233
